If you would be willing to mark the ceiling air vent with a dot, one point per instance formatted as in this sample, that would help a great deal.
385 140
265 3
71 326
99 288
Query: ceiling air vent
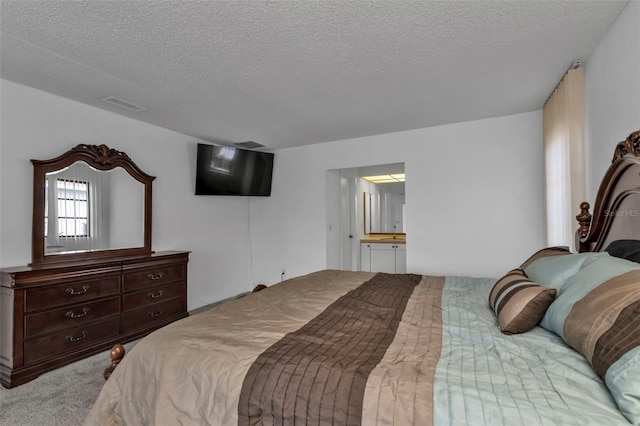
249 144
123 104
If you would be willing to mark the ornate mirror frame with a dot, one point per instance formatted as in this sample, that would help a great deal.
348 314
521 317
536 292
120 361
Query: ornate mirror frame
100 157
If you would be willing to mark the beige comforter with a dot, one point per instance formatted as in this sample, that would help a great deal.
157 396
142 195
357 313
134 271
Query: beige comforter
191 372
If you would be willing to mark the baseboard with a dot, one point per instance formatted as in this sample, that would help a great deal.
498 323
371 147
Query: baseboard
215 304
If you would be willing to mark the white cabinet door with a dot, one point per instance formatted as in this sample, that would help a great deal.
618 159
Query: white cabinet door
401 258
383 258
365 257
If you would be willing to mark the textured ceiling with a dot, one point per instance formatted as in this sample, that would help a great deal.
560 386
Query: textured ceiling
296 73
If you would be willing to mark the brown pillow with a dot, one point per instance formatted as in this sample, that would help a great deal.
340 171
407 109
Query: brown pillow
518 303
545 252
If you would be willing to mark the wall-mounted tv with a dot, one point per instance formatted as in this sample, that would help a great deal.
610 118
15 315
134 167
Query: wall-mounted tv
225 170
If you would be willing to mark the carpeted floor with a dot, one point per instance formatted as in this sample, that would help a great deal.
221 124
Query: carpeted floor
61 397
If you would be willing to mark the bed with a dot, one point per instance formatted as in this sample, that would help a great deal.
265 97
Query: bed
556 340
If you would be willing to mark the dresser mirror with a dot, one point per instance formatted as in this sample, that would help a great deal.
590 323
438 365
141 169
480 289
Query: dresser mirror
91 202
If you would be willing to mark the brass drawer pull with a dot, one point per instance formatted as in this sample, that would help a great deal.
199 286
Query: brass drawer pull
70 314
155 276
156 295
155 314
72 291
75 339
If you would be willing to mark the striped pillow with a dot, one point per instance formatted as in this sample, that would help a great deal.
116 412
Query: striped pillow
545 252
598 314
518 303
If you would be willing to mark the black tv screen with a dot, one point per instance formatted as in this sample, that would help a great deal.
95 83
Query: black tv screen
225 170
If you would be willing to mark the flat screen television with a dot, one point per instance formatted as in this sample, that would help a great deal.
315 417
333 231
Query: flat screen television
225 170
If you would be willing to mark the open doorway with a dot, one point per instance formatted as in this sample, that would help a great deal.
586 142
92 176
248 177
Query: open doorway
356 208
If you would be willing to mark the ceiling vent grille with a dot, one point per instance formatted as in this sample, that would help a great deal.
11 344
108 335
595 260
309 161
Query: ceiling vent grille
249 144
123 104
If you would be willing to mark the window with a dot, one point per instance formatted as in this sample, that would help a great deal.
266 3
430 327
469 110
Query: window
73 208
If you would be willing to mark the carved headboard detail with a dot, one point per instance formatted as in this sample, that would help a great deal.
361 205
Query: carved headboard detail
616 212
630 146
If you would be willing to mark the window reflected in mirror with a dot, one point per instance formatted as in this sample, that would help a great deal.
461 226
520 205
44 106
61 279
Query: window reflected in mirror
87 209
72 201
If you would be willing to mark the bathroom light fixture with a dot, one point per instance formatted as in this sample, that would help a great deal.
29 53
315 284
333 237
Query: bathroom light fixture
385 178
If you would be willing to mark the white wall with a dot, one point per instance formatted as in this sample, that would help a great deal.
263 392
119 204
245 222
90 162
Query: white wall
38 125
474 190
612 93
474 193
474 198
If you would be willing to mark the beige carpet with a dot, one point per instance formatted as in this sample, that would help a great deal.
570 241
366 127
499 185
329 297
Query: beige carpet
60 397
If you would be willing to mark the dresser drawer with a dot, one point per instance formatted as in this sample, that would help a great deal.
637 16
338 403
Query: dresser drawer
71 292
152 313
153 277
71 316
70 339
151 295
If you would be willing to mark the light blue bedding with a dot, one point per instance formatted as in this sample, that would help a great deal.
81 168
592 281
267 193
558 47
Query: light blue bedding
484 377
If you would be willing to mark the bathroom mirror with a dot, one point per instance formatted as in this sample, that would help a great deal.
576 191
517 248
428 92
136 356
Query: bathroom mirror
91 202
384 209
383 198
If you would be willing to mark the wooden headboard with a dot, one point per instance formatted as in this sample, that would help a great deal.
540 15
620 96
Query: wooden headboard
616 213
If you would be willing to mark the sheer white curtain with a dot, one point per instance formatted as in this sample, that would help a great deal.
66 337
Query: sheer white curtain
563 119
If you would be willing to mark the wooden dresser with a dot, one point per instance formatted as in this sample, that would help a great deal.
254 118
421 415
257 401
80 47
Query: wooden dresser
54 314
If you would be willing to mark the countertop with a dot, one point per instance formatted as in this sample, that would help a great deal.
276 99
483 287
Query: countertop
385 239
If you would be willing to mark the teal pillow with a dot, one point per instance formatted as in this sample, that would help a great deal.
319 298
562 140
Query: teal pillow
598 315
622 380
553 271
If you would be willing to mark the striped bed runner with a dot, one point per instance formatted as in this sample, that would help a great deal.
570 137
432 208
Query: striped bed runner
317 374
